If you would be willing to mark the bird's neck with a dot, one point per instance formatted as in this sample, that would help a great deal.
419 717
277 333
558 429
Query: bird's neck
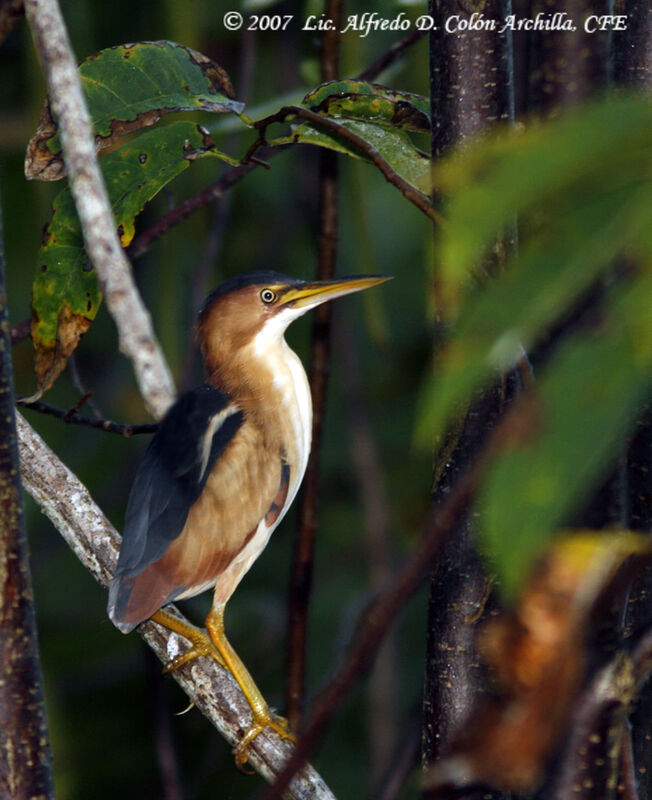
266 379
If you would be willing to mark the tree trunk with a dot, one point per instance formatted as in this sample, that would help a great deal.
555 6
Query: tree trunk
25 761
471 89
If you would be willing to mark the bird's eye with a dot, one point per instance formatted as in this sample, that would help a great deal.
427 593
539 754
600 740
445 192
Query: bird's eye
267 296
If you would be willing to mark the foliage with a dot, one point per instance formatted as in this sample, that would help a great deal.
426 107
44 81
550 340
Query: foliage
131 87
582 193
580 187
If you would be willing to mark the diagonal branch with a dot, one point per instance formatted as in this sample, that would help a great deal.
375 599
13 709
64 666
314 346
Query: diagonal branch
333 128
215 190
135 332
69 506
389 56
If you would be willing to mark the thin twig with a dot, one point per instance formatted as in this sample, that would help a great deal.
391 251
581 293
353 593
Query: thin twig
375 624
135 332
394 52
166 753
340 132
376 620
403 761
203 198
73 418
86 395
69 506
381 697
304 548
145 240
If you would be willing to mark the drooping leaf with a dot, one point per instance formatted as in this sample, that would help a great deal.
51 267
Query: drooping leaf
370 102
393 145
130 87
65 294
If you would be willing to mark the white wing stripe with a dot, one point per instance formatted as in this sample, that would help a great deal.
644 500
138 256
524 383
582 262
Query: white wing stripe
214 424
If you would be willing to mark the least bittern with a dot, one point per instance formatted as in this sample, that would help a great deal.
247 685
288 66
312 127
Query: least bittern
222 470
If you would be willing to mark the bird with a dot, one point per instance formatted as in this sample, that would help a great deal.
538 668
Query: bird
222 469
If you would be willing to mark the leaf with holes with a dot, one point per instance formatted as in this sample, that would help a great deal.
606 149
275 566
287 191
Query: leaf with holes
130 87
370 102
65 294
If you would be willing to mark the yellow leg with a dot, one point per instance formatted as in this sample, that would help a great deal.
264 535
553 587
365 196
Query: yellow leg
201 643
215 645
262 716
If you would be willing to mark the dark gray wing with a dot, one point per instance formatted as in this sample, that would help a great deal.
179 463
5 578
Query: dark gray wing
173 473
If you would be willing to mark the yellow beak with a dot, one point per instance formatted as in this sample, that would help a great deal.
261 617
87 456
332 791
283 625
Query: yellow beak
308 295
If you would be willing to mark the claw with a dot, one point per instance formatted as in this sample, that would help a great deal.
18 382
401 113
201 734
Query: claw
214 644
260 721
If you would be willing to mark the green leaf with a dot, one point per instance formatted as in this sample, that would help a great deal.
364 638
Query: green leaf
393 145
578 412
130 87
512 313
370 102
492 181
65 294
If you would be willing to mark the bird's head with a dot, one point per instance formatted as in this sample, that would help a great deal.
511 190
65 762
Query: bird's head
260 306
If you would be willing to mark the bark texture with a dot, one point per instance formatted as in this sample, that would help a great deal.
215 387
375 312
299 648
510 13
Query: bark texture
25 761
70 508
471 90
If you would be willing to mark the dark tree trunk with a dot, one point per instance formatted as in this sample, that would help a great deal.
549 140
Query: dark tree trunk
471 90
25 763
567 67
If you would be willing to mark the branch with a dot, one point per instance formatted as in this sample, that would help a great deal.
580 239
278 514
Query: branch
320 355
69 506
376 620
394 52
25 759
212 192
340 132
135 332
71 417
144 241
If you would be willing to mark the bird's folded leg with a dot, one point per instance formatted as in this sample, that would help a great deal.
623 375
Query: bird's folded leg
262 717
199 639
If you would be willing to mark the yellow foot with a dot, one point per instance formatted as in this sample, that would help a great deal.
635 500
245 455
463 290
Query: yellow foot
260 721
201 644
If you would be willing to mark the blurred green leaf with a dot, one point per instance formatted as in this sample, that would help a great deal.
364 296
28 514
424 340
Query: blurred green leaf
578 412
370 102
582 190
130 87
65 293
393 145
568 160
514 312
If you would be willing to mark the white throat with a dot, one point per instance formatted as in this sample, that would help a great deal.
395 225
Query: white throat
291 384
